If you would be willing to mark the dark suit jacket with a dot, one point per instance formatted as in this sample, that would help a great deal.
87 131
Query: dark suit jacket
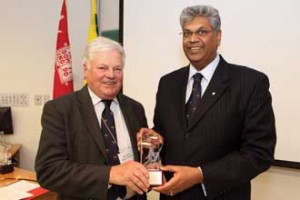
71 158
231 136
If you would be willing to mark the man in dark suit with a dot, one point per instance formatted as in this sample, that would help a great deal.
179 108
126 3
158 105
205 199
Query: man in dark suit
73 156
213 150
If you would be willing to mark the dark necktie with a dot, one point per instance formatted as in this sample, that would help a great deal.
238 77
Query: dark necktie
111 147
195 97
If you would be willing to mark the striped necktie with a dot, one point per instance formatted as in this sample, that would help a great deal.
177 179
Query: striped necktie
195 97
111 147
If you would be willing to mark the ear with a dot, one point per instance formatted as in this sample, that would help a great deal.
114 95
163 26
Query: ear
219 37
85 69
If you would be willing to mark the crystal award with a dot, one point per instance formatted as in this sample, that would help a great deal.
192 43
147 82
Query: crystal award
150 157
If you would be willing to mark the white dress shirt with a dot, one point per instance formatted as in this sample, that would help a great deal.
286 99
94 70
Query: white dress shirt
123 138
207 73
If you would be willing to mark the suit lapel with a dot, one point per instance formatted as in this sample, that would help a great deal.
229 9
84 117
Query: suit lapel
90 119
216 88
178 95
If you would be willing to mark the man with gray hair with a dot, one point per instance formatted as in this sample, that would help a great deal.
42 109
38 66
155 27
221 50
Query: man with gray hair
88 147
216 118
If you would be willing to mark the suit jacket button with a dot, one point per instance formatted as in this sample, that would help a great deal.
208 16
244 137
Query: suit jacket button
187 135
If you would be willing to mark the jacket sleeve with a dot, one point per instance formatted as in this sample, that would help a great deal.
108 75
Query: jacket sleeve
61 165
256 150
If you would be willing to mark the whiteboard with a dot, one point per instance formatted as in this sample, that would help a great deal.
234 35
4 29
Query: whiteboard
264 35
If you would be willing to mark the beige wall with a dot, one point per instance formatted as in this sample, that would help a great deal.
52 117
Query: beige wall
28 42
277 184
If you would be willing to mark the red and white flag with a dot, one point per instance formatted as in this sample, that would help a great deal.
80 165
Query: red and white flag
63 78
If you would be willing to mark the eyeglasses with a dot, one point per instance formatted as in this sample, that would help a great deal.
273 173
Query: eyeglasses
198 33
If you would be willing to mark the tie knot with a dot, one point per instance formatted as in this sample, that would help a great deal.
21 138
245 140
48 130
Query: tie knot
197 77
107 102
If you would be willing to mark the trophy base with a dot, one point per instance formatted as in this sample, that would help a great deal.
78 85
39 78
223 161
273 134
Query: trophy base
155 177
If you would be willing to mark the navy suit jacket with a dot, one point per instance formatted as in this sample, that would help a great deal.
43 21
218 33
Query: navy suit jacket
232 133
71 158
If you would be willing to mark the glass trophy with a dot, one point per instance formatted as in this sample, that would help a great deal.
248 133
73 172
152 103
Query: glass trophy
150 158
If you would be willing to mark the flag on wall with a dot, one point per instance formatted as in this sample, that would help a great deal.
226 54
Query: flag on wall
93 28
63 78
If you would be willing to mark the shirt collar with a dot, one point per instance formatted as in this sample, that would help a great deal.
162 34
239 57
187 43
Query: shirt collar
96 99
208 71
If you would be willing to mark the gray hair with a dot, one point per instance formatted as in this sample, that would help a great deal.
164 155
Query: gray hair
101 44
189 13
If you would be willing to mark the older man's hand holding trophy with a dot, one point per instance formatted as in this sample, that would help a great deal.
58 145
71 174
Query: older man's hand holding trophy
150 144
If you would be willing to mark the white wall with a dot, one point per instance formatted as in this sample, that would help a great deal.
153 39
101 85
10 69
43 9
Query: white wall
109 15
260 34
28 41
